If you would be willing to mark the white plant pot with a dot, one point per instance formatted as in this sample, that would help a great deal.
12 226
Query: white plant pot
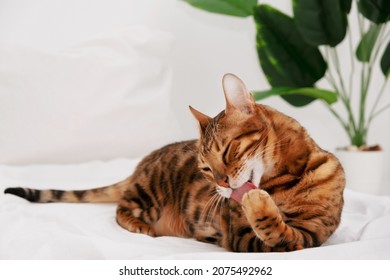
364 171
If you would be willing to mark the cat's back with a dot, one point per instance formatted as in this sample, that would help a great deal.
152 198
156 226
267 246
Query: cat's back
172 155
165 172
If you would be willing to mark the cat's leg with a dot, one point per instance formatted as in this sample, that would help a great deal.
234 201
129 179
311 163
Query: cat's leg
266 221
131 216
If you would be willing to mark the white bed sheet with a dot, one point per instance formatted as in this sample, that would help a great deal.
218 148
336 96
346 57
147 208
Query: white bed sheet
89 231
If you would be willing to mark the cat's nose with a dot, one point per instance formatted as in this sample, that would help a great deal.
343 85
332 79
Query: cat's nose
222 180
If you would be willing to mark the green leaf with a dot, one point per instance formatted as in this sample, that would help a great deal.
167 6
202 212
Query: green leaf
241 8
329 97
286 59
364 49
321 22
385 61
378 11
346 5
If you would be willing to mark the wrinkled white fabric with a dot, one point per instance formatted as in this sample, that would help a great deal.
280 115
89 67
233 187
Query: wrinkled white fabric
89 231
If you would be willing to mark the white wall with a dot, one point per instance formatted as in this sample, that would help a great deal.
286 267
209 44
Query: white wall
207 46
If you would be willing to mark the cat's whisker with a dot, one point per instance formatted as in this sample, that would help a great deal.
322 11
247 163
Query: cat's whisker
205 212
206 207
264 152
216 205
223 202
271 147
280 142
190 148
212 212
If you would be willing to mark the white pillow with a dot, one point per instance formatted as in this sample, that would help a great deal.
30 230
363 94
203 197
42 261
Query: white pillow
104 98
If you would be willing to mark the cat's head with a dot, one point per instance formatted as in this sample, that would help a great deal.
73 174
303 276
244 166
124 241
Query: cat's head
233 143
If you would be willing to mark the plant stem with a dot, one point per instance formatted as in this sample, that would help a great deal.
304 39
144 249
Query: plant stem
380 94
381 110
330 76
352 71
366 79
366 71
339 74
339 87
385 37
374 112
363 98
341 90
342 122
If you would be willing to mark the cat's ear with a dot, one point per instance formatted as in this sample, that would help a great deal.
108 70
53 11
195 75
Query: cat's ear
203 119
237 95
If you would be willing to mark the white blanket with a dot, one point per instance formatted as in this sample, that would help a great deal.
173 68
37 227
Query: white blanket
89 231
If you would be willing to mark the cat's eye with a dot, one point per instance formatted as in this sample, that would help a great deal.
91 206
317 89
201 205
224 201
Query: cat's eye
206 169
230 153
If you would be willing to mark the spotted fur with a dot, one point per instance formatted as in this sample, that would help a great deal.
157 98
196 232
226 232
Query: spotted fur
183 189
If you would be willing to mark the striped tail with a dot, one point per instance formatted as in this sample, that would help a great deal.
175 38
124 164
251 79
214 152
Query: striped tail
112 193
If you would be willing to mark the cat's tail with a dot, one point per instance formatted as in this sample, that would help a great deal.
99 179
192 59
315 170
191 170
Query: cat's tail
111 193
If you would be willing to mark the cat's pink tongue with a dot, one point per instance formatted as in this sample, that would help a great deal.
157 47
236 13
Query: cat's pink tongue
237 194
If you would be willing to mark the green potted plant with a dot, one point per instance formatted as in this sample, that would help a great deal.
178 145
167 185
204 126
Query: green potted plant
296 52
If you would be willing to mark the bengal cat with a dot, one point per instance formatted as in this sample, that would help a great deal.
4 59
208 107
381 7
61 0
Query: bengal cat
254 182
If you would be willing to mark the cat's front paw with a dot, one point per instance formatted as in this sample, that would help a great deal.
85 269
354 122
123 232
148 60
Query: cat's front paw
254 197
257 203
